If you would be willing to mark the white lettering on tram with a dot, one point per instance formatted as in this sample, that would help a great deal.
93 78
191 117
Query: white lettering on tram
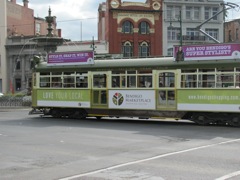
133 96
48 95
136 98
63 95
76 95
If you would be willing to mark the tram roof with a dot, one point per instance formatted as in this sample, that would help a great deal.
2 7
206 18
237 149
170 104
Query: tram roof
160 63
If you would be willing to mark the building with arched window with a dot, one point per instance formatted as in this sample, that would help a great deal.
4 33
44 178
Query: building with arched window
144 28
154 27
132 29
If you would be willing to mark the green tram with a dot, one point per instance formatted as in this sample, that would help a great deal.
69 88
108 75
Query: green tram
205 92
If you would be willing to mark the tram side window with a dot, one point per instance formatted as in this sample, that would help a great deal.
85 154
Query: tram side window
189 81
56 82
131 79
81 80
207 81
237 83
225 80
99 80
144 81
44 81
118 79
69 80
166 79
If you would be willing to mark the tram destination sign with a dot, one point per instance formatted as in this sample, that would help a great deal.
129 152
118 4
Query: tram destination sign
207 52
70 58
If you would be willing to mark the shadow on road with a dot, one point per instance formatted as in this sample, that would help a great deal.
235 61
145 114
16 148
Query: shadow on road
178 129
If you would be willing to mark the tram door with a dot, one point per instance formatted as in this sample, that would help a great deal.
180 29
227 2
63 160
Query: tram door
166 89
99 89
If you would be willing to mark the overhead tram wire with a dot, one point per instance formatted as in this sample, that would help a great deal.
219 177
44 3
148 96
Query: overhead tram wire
77 19
81 19
61 21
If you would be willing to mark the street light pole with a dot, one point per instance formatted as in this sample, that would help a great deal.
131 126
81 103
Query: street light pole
93 45
180 21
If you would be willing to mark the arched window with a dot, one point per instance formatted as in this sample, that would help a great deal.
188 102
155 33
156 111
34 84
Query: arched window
143 49
144 28
127 27
127 49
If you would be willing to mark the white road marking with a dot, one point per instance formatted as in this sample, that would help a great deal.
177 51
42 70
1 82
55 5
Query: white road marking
228 176
148 159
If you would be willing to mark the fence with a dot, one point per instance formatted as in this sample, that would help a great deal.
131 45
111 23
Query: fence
12 101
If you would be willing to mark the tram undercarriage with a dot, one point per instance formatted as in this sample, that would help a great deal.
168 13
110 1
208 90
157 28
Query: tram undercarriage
200 118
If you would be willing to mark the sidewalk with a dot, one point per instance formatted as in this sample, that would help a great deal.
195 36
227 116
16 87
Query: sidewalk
12 108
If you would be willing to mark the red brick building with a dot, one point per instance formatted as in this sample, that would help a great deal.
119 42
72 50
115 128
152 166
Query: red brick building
132 29
21 21
232 31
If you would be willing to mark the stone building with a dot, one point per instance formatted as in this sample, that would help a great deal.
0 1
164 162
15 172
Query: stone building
16 47
182 17
3 35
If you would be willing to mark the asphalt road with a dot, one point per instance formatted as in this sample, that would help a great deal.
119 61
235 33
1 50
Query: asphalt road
44 148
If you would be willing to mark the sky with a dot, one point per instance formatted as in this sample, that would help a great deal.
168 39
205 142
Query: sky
78 18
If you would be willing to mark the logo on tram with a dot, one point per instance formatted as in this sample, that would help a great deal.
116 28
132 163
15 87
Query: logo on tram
118 99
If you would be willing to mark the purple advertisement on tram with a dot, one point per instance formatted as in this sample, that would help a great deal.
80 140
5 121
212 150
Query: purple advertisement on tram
207 52
70 58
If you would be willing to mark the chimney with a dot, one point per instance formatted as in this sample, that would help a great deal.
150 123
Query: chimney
25 3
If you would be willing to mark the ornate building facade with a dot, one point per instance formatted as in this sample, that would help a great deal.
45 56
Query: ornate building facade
132 29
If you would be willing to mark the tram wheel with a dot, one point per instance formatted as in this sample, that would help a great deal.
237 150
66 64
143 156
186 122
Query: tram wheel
98 117
200 119
56 113
80 114
235 121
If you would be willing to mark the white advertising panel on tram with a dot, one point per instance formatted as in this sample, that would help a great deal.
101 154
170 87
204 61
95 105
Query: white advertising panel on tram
132 99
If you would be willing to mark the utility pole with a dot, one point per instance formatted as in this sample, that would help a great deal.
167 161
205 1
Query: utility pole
180 21
230 6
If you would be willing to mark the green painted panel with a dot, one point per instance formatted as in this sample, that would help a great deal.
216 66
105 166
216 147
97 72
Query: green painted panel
208 96
63 95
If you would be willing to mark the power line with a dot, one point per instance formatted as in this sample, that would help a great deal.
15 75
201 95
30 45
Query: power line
78 19
62 21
